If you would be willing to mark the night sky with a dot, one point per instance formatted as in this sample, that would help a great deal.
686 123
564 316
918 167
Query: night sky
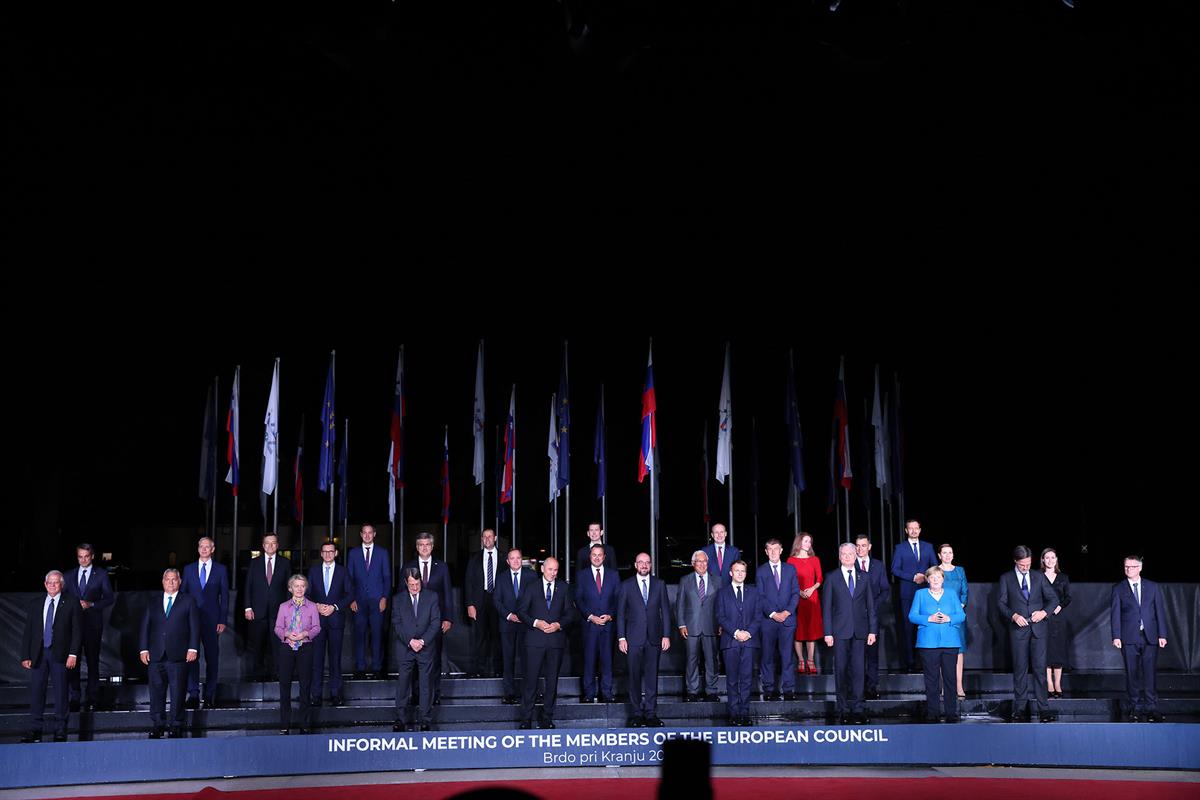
983 201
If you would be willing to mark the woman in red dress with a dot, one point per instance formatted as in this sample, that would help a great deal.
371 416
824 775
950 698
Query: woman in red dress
808 612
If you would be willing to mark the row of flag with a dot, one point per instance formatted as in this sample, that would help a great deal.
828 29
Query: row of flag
884 421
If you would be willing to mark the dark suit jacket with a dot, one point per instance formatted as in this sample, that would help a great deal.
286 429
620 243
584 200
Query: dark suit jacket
589 601
474 583
67 632
1126 613
169 638
877 580
98 592
732 554
212 603
425 624
260 598
369 587
339 592
583 559
847 617
699 616
733 616
439 581
532 607
641 623
785 598
1011 601
505 601
905 566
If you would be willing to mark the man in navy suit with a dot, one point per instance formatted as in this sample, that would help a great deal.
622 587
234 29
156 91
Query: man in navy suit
265 590
876 578
779 593
435 576
416 620
169 641
720 555
329 588
596 593
643 633
371 582
1025 599
479 584
850 623
740 617
208 584
1139 631
50 648
583 559
909 562
696 616
91 588
507 599
546 610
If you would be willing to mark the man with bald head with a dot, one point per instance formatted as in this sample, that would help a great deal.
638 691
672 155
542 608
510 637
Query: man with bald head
506 598
643 633
546 610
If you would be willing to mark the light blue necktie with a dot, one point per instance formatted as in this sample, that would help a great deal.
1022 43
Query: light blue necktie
203 575
328 578
645 592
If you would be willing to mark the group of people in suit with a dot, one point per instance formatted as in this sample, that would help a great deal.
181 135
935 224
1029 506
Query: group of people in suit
519 621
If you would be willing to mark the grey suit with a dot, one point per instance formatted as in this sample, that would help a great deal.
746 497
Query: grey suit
700 619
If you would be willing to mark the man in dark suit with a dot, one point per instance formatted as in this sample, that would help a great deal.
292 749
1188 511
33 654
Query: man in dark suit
909 562
265 590
169 641
779 593
329 588
90 587
696 616
416 619
876 578
50 648
507 599
478 586
583 559
371 581
740 617
720 555
435 576
208 583
643 633
1025 599
596 591
546 610
849 619
1139 631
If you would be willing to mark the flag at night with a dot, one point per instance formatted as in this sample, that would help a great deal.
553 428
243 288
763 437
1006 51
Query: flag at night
839 446
208 448
232 423
724 427
564 427
510 444
271 438
599 457
477 466
298 478
649 431
795 438
328 433
446 477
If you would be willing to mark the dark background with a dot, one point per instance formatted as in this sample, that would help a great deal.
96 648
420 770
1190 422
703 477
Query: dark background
990 200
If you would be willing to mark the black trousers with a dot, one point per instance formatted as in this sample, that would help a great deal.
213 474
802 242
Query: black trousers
422 664
54 672
541 662
1141 661
260 648
294 664
92 634
940 665
166 675
485 638
848 672
643 678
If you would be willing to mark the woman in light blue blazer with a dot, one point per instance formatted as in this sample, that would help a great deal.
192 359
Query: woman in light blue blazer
936 611
956 581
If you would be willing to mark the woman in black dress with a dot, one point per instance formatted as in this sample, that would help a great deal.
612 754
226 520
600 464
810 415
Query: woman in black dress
1056 647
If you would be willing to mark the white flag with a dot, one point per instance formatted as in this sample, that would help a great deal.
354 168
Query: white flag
271 436
725 429
552 448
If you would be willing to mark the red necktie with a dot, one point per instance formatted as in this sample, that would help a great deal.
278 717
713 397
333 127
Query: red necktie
424 573
599 583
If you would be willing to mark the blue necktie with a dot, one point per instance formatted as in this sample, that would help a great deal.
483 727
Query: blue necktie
645 592
916 552
328 578
82 581
170 602
490 574
775 569
203 575
850 577
516 584
1024 586
549 595
47 633
739 594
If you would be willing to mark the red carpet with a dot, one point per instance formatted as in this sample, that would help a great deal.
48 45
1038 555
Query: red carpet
766 788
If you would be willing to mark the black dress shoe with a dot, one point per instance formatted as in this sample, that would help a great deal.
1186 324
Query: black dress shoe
953 719
747 722
1154 716
790 697
359 675
304 731
315 702
1019 718
425 726
74 706
336 701
155 735
399 727
175 735
547 724
587 699
525 725
873 694
712 698
284 732
437 701
60 737
31 738
1135 717
609 700
654 722
687 698
1047 717
192 703
861 719
635 722
89 708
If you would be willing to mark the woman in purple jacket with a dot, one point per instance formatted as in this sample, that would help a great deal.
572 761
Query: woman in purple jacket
296 625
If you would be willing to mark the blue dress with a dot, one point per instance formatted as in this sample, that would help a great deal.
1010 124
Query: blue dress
956 581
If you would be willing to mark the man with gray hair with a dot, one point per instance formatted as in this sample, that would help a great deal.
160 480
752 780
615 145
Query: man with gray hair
169 641
696 616
49 647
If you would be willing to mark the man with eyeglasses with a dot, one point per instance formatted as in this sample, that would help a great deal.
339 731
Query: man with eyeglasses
329 588
1139 631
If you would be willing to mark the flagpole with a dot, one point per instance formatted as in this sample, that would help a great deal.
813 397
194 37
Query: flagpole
653 526
567 500
496 510
237 372
753 474
445 508
216 422
399 556
483 473
514 467
276 493
604 497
